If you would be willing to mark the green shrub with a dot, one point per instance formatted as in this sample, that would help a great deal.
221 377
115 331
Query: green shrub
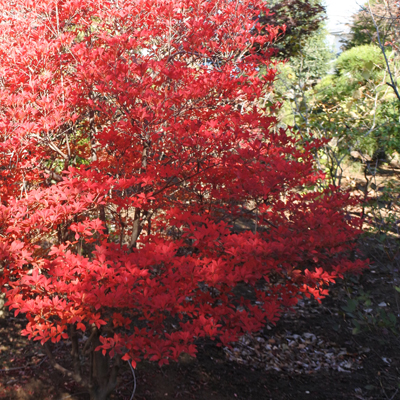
361 61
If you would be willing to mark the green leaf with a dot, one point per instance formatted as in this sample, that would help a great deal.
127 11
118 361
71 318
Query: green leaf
382 237
351 306
369 66
392 318
355 331
366 75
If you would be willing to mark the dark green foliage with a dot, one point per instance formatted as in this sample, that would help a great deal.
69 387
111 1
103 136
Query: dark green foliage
301 17
367 316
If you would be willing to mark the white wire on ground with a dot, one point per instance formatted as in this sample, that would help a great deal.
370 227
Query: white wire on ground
134 380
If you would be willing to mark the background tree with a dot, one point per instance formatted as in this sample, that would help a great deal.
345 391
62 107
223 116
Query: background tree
363 30
360 102
144 186
295 89
301 19
352 108
300 74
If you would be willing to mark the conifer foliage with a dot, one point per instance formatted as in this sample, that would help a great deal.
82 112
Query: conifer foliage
143 184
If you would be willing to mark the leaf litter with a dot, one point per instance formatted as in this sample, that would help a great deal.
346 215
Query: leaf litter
294 353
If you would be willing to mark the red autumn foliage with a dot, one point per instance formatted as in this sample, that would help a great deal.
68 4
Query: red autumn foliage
143 181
